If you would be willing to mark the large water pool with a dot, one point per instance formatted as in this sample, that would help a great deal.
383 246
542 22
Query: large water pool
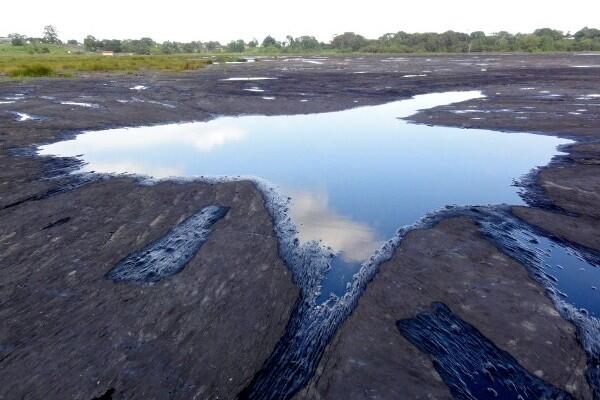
354 177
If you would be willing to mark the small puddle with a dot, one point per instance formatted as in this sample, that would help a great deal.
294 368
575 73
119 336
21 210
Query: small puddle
21 117
309 61
79 104
258 78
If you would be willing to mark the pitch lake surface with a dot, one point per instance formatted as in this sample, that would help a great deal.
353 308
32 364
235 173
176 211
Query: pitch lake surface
348 181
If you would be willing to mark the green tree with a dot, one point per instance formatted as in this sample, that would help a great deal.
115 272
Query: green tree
17 39
51 35
307 43
236 46
289 41
212 46
142 46
528 42
553 34
90 43
348 41
587 33
504 41
169 48
112 45
269 41
192 47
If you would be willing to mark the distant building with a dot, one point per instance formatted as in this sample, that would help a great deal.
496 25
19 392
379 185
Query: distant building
108 53
4 39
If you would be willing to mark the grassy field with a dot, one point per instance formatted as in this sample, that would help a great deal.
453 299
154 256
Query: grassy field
20 62
45 60
52 65
6 49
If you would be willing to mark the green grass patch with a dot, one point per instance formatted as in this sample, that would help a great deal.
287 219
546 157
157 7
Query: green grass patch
6 49
27 65
31 71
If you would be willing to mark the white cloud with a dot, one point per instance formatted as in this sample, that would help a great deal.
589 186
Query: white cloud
133 167
203 137
354 241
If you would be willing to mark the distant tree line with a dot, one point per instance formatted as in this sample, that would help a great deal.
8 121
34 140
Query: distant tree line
148 46
37 44
544 39
138 46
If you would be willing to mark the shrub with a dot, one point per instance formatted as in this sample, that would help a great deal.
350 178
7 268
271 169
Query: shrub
31 71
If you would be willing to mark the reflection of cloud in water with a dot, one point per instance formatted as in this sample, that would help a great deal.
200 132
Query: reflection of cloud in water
354 241
132 167
204 140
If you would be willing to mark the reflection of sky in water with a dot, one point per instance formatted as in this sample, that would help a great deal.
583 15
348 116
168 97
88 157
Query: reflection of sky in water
576 279
317 221
354 176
